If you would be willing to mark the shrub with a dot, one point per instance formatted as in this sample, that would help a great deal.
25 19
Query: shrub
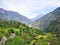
11 31
41 37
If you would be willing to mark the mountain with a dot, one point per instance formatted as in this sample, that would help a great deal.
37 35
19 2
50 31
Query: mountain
47 19
37 17
54 26
11 15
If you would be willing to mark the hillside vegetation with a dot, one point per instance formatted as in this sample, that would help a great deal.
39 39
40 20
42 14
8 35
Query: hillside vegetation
24 35
55 29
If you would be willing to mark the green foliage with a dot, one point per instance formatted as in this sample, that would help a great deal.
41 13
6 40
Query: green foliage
25 35
41 37
5 24
54 28
17 33
11 31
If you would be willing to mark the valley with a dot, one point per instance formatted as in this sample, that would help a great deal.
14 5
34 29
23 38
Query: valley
15 29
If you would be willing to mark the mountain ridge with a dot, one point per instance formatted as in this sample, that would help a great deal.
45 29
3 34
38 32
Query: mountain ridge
37 17
11 15
47 19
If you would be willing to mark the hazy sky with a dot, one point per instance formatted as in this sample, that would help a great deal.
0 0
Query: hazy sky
30 8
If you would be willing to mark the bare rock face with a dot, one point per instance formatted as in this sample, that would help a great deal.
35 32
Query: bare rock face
3 40
12 35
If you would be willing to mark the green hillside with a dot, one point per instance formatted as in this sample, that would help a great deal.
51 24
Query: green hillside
24 35
55 29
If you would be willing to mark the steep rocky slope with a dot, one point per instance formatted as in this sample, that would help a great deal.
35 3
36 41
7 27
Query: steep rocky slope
47 19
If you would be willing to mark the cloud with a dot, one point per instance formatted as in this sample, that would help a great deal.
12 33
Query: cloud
30 8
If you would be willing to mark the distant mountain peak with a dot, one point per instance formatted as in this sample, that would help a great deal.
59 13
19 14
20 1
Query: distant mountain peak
37 17
1 9
58 8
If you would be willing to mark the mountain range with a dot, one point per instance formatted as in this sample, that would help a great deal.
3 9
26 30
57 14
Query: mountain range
15 16
37 17
47 19
40 22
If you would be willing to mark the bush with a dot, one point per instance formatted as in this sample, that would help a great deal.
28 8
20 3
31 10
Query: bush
11 31
41 37
1 36
17 33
